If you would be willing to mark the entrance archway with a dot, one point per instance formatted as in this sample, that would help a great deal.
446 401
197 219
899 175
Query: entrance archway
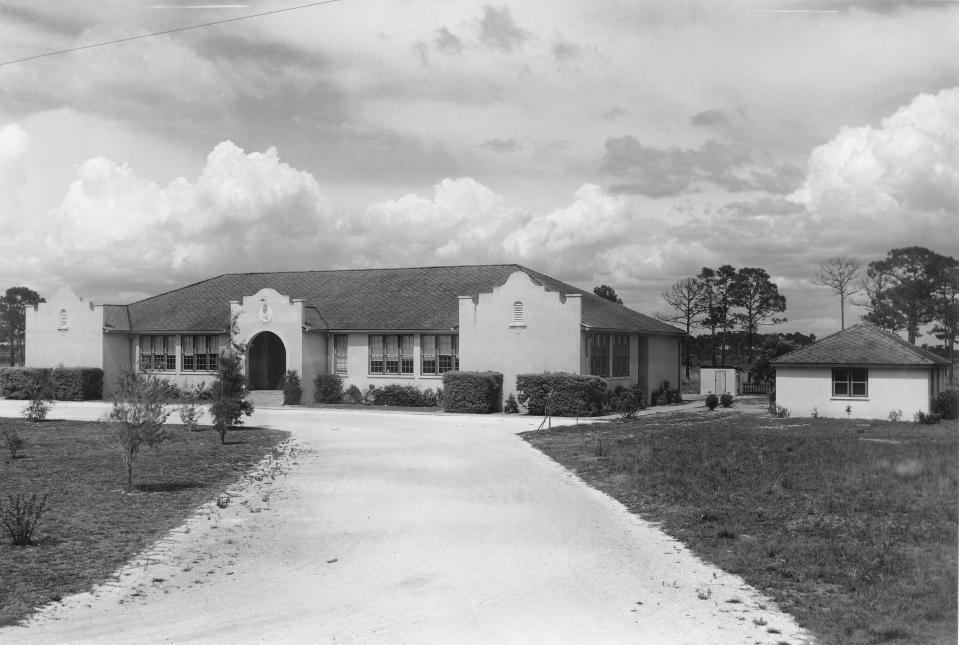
266 362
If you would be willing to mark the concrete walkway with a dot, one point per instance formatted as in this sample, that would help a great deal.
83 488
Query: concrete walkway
405 528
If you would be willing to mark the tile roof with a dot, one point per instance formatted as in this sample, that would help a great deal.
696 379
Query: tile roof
863 344
374 299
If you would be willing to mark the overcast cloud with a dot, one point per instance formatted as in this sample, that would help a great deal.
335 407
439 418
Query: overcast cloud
629 144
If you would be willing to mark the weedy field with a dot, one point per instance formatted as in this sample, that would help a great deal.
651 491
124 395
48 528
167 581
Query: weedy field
850 526
92 525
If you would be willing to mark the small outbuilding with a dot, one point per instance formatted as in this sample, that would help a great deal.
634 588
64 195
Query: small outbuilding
718 380
862 372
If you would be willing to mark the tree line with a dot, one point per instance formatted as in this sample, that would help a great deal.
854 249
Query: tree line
13 316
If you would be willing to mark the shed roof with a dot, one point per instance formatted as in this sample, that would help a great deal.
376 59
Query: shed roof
864 345
366 299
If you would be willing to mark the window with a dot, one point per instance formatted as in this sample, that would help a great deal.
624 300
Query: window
391 354
439 353
158 353
599 355
519 316
850 382
621 355
63 319
340 349
200 353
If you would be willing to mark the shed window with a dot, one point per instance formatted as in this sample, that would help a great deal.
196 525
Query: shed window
848 382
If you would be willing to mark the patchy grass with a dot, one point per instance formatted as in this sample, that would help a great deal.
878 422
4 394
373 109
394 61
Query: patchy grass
93 525
849 526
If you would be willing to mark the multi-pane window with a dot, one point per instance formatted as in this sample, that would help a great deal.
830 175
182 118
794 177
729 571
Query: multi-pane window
621 355
340 349
439 353
391 354
599 355
200 353
158 353
850 382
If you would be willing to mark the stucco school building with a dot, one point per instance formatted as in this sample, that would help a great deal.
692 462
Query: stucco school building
370 326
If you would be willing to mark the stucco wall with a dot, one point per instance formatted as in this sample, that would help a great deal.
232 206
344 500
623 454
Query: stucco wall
268 310
799 390
547 339
117 358
707 382
358 366
315 361
77 342
662 362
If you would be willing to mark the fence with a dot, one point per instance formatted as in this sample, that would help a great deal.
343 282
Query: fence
756 388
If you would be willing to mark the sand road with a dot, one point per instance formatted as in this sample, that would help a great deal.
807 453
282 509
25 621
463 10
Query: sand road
411 528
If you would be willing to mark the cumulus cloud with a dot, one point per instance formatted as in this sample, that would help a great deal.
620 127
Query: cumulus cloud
709 118
447 42
564 50
250 206
910 163
499 30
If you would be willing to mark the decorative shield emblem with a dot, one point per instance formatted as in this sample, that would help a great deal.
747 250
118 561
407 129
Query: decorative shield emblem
265 312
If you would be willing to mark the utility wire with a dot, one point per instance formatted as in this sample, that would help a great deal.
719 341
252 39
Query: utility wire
168 31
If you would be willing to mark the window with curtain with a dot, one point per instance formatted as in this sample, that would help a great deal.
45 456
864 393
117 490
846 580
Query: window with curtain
158 353
340 353
200 353
391 354
439 353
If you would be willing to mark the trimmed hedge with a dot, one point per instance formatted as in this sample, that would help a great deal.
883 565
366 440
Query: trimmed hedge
472 392
328 388
568 394
57 383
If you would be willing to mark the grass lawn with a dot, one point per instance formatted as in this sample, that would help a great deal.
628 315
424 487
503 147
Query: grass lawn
93 525
850 526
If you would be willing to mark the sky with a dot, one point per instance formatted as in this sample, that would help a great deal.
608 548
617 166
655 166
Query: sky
627 143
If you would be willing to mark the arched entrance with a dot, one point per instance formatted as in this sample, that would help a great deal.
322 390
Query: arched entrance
266 362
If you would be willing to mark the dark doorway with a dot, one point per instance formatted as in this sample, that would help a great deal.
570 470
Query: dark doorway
266 362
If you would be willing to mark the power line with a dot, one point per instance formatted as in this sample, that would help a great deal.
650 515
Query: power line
168 31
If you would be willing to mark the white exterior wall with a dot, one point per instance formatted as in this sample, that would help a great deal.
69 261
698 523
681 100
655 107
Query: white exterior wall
268 310
800 389
662 362
315 361
707 380
76 343
358 362
547 339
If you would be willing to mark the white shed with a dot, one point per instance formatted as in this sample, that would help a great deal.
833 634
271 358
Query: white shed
862 372
718 380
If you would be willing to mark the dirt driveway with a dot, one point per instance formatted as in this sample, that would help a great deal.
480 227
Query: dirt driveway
410 528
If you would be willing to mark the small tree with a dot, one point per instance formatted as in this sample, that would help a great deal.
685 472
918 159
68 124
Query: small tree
606 292
838 274
139 416
229 391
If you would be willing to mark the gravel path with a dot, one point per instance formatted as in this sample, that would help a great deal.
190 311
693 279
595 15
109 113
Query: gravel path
407 528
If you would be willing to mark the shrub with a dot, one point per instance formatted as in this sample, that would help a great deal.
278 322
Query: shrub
228 394
352 395
726 400
895 415
430 398
946 404
37 409
663 395
328 388
926 419
408 396
369 395
139 417
781 412
566 394
472 392
20 517
292 388
677 396
511 406
61 384
14 442
628 401
190 416
712 401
